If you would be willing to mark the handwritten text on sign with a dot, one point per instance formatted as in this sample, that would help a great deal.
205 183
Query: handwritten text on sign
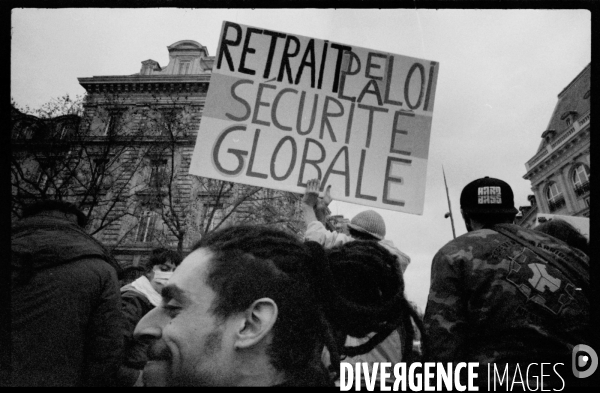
282 109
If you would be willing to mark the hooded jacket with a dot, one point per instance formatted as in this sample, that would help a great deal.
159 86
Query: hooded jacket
65 306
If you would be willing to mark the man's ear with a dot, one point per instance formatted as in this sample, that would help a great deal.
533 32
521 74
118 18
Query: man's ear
465 216
258 321
467 220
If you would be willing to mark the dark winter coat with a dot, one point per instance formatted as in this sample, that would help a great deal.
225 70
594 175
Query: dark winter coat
65 306
134 306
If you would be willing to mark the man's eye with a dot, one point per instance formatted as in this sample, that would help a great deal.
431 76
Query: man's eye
172 309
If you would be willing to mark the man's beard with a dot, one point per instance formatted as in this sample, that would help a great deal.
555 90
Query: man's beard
213 343
188 374
209 372
157 371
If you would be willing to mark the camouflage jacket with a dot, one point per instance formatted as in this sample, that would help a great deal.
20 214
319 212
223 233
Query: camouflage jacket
493 300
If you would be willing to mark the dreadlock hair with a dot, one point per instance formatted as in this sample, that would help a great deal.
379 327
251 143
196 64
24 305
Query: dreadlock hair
251 262
369 297
354 289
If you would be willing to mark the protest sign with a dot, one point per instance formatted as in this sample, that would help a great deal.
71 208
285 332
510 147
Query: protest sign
282 109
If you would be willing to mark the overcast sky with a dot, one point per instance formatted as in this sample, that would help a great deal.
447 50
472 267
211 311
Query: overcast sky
499 77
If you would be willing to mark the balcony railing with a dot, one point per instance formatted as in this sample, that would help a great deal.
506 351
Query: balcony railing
557 204
582 189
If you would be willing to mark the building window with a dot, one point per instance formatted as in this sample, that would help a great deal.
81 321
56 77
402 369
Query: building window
568 117
26 133
548 135
100 165
42 180
581 180
554 196
212 211
101 179
158 174
23 130
111 124
62 131
184 67
145 229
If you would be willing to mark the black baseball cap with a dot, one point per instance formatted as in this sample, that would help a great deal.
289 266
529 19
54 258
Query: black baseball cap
487 195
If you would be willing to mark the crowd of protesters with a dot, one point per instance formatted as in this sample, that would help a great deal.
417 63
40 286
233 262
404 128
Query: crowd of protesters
257 306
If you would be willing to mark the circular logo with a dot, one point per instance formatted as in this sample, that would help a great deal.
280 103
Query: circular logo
584 361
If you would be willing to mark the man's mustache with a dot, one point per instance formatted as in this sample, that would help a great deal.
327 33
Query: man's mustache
158 350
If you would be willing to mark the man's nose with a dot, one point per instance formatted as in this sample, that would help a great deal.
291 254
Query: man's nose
150 326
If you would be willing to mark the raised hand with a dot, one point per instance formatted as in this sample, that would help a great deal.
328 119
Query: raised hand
311 196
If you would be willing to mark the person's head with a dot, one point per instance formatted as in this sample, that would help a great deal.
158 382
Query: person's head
239 310
367 225
485 202
564 231
55 208
131 274
160 267
370 286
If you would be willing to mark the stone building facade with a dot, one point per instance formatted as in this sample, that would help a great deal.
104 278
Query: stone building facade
140 131
129 103
559 172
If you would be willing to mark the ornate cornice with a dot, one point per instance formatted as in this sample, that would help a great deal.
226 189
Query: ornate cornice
146 83
573 132
550 159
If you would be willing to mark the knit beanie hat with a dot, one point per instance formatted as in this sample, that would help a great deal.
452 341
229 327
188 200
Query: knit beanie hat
369 222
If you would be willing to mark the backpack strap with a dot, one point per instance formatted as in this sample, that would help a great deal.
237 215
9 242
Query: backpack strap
569 268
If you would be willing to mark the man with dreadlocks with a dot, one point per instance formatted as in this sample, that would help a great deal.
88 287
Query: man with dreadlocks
242 309
366 226
254 306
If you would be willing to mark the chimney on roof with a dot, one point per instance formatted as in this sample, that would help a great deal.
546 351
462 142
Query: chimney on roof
149 66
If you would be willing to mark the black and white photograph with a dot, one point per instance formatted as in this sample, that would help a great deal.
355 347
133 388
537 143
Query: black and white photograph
362 198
